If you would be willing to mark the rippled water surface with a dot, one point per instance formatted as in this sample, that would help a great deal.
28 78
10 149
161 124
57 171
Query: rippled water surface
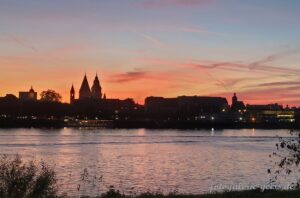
141 160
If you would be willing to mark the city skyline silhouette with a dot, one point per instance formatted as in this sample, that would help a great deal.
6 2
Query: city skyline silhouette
96 91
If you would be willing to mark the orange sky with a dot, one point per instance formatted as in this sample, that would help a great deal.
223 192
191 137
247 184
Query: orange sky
153 48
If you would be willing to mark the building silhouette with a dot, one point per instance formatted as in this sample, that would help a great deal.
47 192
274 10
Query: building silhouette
236 105
185 107
28 95
96 89
91 107
85 92
270 113
72 95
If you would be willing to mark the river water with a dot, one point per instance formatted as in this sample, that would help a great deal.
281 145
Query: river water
139 160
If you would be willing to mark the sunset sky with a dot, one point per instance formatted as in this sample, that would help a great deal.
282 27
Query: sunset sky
153 47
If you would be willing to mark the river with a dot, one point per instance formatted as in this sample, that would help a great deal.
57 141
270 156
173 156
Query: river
139 160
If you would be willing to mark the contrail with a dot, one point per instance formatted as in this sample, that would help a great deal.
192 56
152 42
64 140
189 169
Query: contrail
151 39
20 42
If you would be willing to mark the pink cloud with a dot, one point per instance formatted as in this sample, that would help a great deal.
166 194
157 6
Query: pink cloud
129 76
152 76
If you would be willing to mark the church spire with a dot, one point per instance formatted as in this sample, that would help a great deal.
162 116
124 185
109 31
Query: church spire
85 91
31 89
72 88
72 95
96 88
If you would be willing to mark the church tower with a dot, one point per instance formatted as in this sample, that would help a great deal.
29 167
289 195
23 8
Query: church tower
96 89
234 99
85 91
72 95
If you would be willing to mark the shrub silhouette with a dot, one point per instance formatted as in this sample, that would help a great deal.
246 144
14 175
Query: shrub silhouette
288 155
23 180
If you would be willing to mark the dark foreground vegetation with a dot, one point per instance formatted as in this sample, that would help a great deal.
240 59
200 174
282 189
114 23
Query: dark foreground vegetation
236 194
22 180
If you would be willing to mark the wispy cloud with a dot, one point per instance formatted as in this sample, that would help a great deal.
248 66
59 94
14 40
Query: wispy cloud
255 66
243 83
271 58
242 67
230 82
176 3
129 76
278 84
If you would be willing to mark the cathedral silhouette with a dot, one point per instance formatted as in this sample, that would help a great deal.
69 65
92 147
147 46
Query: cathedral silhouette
85 92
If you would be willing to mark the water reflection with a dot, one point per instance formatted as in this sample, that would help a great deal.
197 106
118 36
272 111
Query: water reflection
212 132
190 161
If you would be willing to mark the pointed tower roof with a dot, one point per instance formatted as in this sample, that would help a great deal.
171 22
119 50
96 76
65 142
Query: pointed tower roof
96 88
85 84
72 88
85 91
96 78
31 89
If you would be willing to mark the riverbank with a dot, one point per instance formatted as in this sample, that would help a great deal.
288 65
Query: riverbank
234 194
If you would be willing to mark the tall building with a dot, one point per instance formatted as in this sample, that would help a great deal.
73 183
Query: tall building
85 91
96 89
72 95
234 99
28 95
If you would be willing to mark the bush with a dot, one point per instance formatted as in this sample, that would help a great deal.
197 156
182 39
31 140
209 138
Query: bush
288 156
21 180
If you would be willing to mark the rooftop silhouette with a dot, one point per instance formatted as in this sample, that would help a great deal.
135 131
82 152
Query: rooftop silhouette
181 111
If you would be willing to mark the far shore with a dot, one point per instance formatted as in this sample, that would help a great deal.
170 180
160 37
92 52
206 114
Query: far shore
148 124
